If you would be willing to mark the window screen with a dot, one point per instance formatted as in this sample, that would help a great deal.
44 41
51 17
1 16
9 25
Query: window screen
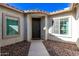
64 26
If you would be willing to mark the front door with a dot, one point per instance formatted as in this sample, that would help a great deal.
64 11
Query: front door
36 28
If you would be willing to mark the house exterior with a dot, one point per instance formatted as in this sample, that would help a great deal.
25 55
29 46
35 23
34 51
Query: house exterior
17 25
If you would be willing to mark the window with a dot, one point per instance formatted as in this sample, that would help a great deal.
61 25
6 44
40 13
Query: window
52 22
64 26
12 27
0 26
56 26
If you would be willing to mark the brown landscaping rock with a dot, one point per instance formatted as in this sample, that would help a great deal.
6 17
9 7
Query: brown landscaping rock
56 48
17 49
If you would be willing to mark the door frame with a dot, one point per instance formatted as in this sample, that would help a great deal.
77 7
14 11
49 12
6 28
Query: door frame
29 27
39 28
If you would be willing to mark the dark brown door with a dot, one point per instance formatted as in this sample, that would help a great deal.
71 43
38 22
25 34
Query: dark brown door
35 28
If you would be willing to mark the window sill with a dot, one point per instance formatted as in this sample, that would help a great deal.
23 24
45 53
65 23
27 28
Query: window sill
10 36
61 35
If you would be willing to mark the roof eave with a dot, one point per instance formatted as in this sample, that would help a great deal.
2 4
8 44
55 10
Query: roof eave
60 12
9 7
35 12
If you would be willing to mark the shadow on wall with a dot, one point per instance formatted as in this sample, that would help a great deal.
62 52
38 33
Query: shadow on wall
73 31
51 35
57 37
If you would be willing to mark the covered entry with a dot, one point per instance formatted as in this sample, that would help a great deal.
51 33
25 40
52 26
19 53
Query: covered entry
36 25
36 28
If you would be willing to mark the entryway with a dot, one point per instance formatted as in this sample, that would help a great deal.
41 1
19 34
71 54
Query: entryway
37 49
36 28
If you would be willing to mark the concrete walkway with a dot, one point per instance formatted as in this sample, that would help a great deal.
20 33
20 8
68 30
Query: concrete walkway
37 49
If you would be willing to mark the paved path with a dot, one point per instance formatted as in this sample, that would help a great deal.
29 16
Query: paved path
37 49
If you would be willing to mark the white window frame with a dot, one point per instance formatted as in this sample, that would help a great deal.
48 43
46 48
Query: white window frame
60 25
69 26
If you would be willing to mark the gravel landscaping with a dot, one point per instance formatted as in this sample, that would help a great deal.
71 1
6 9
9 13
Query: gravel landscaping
56 48
18 49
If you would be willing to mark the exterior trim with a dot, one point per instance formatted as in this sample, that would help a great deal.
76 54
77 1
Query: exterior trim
35 12
39 11
9 7
70 22
59 12
3 31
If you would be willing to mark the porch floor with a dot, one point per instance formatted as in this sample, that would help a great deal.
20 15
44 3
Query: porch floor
37 49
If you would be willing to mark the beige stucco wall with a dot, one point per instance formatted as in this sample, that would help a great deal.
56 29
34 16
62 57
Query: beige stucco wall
8 41
77 22
25 27
0 25
71 37
28 27
42 28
